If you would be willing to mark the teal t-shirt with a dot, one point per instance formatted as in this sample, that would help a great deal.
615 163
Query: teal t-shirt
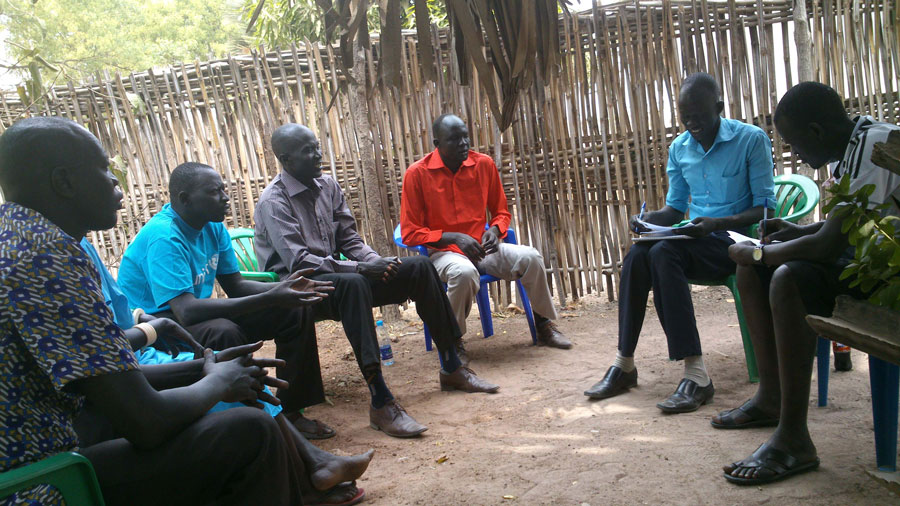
168 257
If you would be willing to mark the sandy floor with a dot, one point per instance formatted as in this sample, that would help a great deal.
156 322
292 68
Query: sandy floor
540 441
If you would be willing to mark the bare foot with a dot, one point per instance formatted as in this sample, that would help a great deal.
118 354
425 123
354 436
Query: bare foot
336 470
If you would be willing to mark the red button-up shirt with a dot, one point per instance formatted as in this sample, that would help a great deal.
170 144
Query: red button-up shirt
435 200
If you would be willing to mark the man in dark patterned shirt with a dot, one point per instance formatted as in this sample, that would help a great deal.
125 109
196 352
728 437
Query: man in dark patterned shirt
60 347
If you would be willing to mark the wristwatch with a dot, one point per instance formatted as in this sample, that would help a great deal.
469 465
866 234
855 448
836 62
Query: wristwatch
758 253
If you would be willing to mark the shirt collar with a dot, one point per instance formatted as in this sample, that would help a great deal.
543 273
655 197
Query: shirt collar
860 122
32 218
294 186
726 133
435 162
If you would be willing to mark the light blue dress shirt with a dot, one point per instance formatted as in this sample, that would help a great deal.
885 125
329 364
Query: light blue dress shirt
733 176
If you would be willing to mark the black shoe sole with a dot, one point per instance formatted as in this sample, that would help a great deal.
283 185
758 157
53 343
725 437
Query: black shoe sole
668 410
606 395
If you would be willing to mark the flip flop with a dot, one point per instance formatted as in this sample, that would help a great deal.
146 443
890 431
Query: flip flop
357 498
322 431
756 418
777 465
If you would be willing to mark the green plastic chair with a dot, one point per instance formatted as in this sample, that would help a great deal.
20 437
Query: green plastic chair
242 241
71 474
796 196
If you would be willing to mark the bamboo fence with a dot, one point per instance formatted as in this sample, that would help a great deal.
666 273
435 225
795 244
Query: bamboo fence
583 152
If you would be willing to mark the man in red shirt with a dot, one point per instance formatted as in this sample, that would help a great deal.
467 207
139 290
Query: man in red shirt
443 204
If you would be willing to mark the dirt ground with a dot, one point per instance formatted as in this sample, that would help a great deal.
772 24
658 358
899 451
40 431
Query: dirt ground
541 441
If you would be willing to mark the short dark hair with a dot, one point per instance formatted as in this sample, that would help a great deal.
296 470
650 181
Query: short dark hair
811 102
183 177
701 81
437 124
38 143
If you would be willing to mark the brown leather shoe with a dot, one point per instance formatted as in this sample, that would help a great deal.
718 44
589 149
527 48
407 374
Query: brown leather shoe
393 420
549 335
465 379
461 352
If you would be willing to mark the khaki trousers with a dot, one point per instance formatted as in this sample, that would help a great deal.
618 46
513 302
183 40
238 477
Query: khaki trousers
512 262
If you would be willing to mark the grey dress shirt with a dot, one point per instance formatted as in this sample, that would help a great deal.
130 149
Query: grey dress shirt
301 227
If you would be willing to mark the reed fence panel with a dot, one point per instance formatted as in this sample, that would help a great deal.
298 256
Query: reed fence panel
584 150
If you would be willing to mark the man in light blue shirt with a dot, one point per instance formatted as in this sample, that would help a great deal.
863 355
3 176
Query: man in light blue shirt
720 172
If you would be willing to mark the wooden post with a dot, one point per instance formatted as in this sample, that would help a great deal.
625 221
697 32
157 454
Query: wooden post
371 184
804 73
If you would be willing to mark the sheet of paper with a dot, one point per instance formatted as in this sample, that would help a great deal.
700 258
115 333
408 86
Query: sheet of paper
738 238
646 237
655 232
653 228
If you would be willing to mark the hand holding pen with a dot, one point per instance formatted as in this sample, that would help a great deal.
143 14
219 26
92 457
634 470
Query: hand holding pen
635 221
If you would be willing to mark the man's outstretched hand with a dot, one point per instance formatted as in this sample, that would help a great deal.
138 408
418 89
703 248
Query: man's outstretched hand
245 374
298 290
383 269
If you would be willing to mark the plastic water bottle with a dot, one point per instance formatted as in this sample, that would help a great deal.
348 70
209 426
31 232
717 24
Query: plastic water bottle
387 355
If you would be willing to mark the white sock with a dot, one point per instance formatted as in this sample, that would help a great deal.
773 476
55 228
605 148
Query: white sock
624 363
695 370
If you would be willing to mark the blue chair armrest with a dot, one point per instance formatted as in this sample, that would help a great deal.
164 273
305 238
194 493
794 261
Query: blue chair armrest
398 240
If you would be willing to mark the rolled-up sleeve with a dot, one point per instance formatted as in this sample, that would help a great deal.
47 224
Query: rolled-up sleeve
679 191
759 170
496 204
412 213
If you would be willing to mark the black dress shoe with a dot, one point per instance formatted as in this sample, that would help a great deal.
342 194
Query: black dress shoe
687 397
614 383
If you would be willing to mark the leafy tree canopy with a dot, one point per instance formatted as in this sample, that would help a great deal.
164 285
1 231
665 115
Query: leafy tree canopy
277 23
79 37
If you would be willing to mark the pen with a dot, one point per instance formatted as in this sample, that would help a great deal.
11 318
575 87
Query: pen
643 208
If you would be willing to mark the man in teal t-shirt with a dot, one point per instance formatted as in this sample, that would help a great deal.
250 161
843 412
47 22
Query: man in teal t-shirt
170 269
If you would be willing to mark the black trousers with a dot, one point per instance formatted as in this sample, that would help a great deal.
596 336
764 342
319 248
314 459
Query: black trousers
294 332
232 457
355 295
665 266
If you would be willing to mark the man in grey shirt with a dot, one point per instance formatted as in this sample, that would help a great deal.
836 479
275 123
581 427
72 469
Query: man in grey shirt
303 222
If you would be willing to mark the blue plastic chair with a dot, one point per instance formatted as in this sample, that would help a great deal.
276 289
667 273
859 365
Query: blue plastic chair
823 367
884 381
482 298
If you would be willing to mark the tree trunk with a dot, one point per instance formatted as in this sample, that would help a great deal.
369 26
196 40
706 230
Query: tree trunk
804 73
371 183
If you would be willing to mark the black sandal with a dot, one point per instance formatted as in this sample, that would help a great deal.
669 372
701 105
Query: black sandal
753 416
772 464
322 431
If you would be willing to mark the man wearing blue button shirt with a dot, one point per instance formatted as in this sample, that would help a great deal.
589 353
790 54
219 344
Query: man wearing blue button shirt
720 170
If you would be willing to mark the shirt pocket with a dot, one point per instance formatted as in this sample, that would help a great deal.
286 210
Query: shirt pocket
732 169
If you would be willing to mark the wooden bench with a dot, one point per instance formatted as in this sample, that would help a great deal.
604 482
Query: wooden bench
876 331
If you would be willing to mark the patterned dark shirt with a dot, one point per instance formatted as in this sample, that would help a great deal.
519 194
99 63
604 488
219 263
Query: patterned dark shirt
54 329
